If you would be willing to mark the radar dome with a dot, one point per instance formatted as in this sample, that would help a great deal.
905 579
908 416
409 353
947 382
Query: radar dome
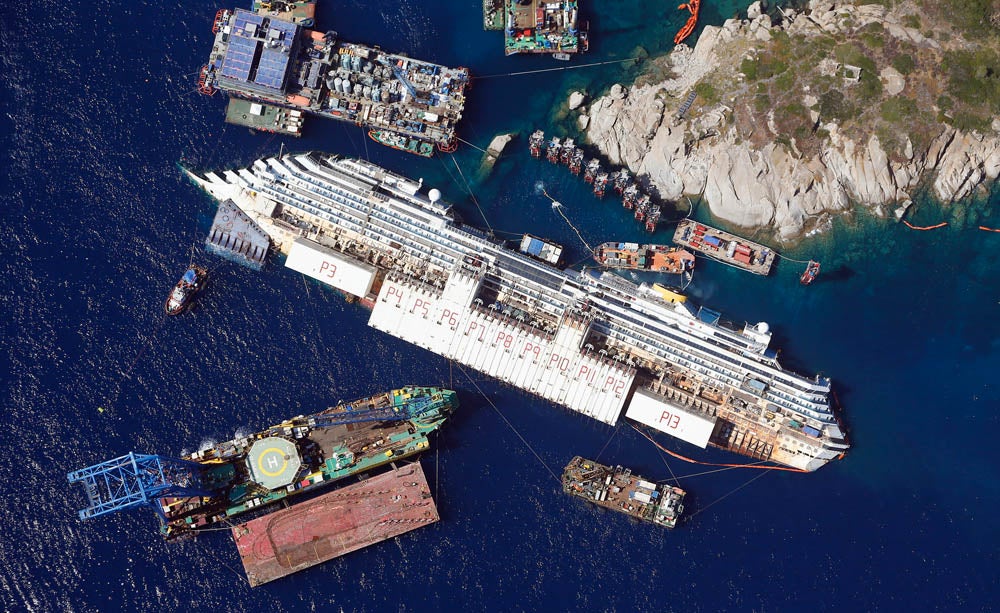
434 194
763 328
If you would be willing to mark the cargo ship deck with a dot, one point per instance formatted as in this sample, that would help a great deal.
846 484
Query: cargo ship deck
725 247
267 60
493 14
303 13
542 27
342 521
619 490
264 117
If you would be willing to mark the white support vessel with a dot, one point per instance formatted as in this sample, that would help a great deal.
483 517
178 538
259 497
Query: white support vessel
595 344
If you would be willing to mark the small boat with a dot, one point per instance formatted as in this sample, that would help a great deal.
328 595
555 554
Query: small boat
652 258
552 154
812 269
565 57
402 142
184 293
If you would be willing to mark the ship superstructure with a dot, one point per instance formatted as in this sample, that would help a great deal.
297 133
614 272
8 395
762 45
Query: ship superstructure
408 104
591 342
207 487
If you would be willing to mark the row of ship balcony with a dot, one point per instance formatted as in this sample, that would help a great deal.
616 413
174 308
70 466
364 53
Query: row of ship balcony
386 226
679 353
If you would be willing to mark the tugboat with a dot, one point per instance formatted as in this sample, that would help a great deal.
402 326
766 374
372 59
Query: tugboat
536 142
184 293
812 269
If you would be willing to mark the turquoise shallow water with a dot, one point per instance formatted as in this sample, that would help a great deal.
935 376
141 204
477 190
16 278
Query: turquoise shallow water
98 223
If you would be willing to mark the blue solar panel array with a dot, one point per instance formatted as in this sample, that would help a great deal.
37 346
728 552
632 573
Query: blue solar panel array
248 38
246 23
271 69
284 31
239 58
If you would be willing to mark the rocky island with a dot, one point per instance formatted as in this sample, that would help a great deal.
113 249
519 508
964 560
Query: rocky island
797 115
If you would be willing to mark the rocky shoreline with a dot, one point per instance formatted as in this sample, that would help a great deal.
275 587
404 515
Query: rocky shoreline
772 185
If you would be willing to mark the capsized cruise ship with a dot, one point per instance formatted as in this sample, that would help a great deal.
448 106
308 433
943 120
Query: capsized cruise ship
594 343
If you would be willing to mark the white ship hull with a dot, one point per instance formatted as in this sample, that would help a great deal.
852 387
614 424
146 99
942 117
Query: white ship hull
595 345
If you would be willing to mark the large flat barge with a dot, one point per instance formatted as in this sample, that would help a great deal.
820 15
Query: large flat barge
725 247
206 488
592 342
266 59
344 520
619 490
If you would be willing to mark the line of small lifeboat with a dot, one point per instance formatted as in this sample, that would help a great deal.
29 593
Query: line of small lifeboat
566 153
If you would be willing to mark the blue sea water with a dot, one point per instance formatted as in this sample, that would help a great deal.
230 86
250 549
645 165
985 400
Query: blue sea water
99 107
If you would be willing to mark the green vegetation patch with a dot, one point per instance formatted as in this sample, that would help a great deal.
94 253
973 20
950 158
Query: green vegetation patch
833 105
707 92
903 63
898 109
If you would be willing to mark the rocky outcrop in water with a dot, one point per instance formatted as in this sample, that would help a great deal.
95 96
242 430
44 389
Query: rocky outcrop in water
772 185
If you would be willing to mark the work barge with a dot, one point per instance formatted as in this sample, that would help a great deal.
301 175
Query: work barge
619 490
405 103
725 247
593 342
334 524
538 26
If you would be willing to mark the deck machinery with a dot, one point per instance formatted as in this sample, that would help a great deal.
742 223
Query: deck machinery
407 103
296 456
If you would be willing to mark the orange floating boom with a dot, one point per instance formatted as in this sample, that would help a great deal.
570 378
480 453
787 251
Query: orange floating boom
934 227
985 229
685 31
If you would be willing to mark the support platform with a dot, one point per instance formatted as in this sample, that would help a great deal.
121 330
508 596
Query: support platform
327 527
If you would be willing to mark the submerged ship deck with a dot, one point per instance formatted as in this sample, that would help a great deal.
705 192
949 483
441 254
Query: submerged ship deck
342 521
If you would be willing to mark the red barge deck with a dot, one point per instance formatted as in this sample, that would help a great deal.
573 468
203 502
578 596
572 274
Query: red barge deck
345 520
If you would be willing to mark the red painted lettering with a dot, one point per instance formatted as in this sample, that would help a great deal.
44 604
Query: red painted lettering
672 420
329 269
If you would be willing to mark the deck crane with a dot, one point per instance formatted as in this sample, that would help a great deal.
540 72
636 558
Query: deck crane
398 73
136 480
350 414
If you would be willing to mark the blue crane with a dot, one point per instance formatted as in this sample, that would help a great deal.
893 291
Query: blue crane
136 480
398 73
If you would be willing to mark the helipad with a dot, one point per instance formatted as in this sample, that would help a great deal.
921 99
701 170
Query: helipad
273 462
